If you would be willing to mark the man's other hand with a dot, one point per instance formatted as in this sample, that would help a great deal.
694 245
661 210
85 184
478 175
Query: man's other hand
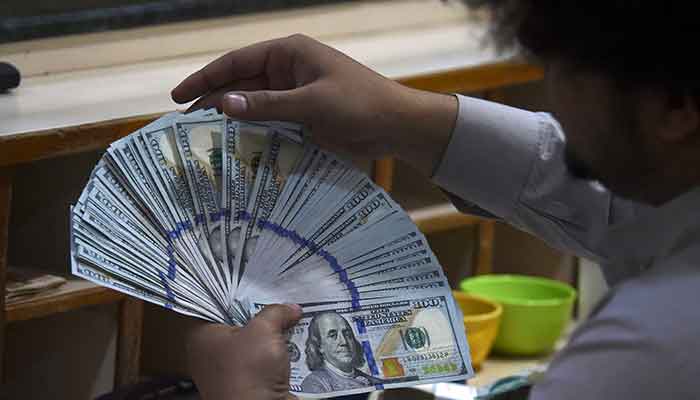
249 363
347 107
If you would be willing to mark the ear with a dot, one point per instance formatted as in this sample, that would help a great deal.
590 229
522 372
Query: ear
680 119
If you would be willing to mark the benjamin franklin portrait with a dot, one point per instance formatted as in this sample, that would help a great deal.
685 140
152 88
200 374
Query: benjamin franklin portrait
334 356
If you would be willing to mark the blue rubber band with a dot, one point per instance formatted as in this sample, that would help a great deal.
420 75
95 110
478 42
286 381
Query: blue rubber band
172 269
361 328
343 276
369 356
354 294
168 292
295 237
355 303
333 263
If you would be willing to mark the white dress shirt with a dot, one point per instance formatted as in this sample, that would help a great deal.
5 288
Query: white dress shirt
643 340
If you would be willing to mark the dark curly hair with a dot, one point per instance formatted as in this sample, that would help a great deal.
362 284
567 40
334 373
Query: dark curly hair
314 358
636 43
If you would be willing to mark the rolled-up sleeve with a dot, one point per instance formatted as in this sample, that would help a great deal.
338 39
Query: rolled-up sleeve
490 155
508 163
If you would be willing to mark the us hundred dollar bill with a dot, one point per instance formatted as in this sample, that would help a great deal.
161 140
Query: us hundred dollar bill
244 148
199 145
336 350
275 167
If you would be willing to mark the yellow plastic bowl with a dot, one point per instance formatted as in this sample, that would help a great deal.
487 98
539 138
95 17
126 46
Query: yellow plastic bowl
482 318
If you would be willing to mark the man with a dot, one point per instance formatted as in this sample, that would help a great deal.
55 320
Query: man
624 91
334 355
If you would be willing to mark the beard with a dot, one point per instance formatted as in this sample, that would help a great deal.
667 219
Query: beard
621 166
578 168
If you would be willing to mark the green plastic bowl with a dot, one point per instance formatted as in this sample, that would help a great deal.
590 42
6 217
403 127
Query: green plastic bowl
535 310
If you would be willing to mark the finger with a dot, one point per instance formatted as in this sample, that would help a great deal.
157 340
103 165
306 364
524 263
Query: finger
245 63
278 317
205 336
264 105
214 98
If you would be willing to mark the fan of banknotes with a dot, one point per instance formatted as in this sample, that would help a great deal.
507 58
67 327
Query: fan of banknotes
216 218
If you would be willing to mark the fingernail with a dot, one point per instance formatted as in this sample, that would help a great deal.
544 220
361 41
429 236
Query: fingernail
295 307
236 103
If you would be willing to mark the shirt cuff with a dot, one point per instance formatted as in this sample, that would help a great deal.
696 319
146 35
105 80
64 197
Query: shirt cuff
490 155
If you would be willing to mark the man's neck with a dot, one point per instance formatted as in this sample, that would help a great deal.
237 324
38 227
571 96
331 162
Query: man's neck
663 183
677 171
667 186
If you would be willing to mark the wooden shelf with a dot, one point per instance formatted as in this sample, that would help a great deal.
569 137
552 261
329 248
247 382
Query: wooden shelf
426 204
431 210
72 295
440 218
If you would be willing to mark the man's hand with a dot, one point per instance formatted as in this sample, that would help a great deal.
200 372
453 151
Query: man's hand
347 107
249 363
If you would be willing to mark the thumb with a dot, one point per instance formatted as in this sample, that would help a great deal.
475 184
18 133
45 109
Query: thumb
278 317
266 105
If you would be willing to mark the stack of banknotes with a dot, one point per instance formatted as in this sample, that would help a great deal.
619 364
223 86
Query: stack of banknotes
216 218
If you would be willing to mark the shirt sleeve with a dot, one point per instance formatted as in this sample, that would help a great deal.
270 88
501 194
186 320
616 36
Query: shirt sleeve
640 343
508 163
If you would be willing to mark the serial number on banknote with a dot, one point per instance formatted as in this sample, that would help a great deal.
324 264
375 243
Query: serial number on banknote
438 355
